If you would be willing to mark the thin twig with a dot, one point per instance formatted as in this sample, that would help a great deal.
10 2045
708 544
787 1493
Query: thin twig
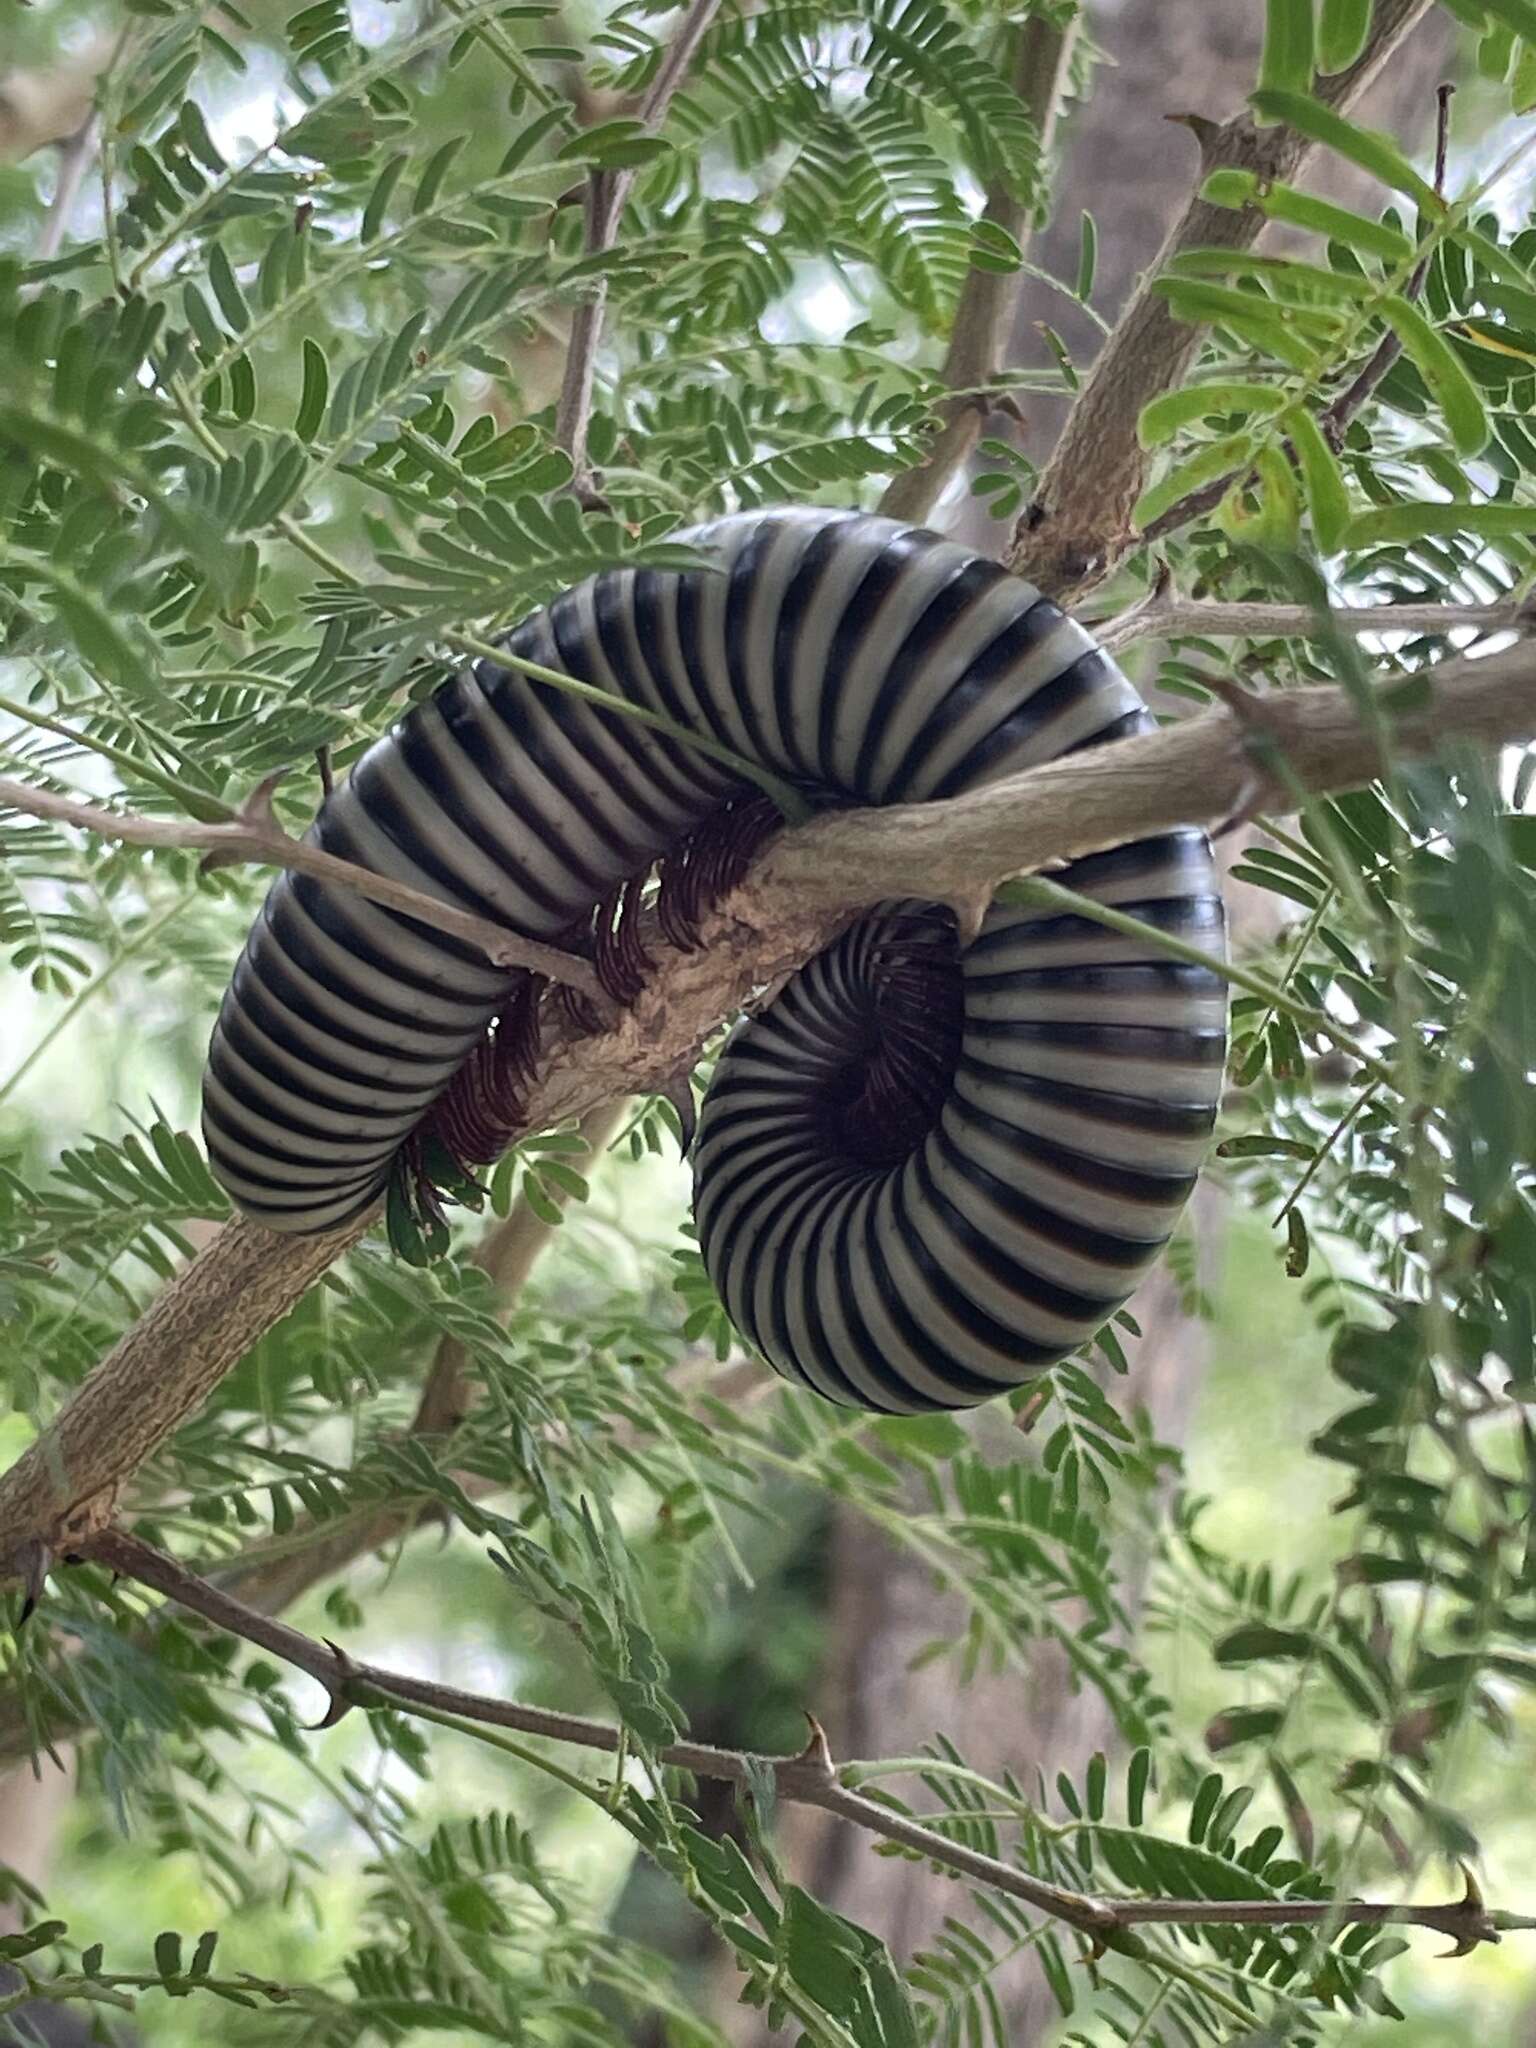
988 299
1336 418
75 154
809 1779
254 834
1044 894
606 194
1171 618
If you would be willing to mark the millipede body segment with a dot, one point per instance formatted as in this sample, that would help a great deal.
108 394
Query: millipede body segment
924 1172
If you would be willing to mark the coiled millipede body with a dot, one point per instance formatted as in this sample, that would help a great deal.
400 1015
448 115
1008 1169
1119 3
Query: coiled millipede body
922 1174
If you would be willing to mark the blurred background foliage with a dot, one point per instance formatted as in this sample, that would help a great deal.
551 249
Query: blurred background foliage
242 539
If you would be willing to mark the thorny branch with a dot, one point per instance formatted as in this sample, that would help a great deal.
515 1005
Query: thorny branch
809 1779
984 314
1204 770
1079 523
254 834
1162 617
604 202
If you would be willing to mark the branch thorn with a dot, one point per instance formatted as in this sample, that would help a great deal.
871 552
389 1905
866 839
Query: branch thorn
1205 131
255 812
337 1687
678 1090
817 1749
34 1561
970 907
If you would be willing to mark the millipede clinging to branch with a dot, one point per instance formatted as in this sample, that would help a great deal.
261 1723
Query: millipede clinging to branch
927 1170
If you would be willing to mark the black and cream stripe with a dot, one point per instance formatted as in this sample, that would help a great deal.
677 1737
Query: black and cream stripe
920 1176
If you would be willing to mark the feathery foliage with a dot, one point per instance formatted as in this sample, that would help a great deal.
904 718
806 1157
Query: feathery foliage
278 435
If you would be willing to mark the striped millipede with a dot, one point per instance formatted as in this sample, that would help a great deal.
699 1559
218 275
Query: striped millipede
924 1172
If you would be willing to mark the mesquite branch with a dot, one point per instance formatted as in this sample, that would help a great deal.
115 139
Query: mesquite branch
985 312
810 1779
1079 523
604 201
1204 770
254 834
1160 617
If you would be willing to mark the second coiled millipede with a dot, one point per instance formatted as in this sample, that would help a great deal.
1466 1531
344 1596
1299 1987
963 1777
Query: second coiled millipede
922 1174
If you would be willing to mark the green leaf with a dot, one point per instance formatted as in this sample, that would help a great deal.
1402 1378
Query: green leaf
1518 15
1398 525
994 249
1257 1639
1322 480
1087 257
1284 273
1166 416
438 166
31 1939
1448 383
1305 210
312 399
226 290
1341 34
1373 152
823 1953
1138 1776
1263 1145
1285 63
1204 1805
1298 1249
1250 314
379 198
1274 522
1217 459
616 145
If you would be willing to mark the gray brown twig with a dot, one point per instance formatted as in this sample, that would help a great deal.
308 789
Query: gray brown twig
811 1778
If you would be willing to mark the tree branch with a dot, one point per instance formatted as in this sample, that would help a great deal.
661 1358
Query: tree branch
1203 770
1079 523
75 154
1334 423
809 1779
606 194
984 315
1161 617
254 834
507 1255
